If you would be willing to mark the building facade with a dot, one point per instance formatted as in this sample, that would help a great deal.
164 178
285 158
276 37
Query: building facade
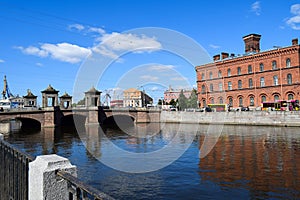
136 98
252 78
174 94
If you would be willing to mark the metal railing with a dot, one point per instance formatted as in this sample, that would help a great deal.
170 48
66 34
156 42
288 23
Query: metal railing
80 191
14 166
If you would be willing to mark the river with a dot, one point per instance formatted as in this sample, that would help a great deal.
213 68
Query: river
246 162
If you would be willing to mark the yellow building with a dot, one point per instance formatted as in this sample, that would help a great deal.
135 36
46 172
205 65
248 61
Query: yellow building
136 98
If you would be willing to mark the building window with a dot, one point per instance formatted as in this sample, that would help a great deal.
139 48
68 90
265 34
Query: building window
275 80
220 87
261 67
221 100
211 87
251 101
262 82
276 97
229 85
240 84
274 64
212 101
263 98
230 101
290 96
289 79
210 75
250 83
288 62
203 89
203 76
241 101
249 69
219 74
239 71
228 72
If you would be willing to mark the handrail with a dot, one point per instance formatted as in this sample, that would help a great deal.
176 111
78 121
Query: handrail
82 190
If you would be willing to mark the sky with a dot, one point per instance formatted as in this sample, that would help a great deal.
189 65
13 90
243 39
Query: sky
119 44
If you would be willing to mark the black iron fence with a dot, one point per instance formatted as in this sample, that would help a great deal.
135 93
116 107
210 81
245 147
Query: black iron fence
13 172
80 191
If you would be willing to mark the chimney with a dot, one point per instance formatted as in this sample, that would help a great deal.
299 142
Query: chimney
224 55
295 41
216 57
252 43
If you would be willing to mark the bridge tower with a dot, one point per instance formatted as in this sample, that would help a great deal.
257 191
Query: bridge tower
30 99
50 97
92 98
65 101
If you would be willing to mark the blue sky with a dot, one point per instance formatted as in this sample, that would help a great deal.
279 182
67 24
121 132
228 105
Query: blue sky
47 42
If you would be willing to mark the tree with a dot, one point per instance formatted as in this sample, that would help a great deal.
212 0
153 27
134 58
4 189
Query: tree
182 101
81 102
192 103
159 102
172 102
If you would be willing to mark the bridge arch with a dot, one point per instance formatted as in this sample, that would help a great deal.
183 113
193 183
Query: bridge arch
71 119
119 119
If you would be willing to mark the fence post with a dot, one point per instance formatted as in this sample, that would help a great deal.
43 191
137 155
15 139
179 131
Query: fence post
44 184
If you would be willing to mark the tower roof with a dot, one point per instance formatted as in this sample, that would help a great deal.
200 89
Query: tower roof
50 90
29 94
93 90
66 96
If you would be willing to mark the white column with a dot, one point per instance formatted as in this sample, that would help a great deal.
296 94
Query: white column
44 184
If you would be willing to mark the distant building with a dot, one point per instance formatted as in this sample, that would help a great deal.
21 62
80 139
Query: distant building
116 103
136 98
174 94
252 78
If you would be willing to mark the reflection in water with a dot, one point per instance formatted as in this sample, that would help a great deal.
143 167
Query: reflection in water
245 163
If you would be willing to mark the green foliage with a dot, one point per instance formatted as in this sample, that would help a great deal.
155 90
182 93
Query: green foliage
81 102
184 102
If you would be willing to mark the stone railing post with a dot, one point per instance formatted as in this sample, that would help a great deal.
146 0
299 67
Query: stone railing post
44 184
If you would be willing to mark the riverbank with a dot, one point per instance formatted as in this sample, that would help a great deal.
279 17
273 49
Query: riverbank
257 118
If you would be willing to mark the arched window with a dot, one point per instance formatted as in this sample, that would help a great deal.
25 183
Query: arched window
203 76
241 101
211 87
263 98
219 74
262 82
274 64
228 72
220 87
239 84
250 83
251 101
229 85
290 96
230 101
221 100
289 79
210 75
249 69
275 80
276 97
261 67
203 89
239 71
288 62
212 100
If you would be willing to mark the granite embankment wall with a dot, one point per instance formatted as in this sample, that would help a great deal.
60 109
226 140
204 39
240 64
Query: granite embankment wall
264 118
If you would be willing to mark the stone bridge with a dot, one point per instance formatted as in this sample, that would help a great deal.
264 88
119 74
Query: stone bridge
51 117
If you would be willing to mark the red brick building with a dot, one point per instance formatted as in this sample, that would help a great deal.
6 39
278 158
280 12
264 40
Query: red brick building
252 78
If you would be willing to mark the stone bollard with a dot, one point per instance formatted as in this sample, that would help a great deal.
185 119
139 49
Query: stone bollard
44 184
1 136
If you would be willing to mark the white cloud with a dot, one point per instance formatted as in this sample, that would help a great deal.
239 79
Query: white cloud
181 78
2 61
62 51
96 30
116 43
78 27
294 22
256 8
214 46
149 78
161 68
39 64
